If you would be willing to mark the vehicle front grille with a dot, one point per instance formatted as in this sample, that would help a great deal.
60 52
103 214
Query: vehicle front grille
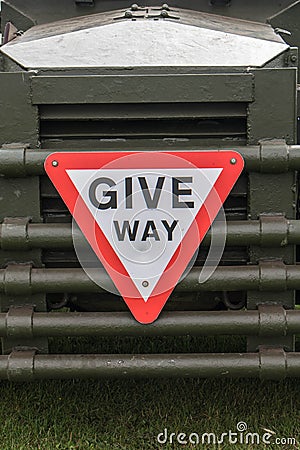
192 120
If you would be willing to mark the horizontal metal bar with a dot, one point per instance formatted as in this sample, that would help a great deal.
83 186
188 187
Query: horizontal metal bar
196 128
239 233
17 279
140 88
269 157
266 364
268 320
37 235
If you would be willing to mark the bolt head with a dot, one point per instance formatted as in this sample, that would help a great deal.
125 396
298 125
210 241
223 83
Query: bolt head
164 13
233 161
293 58
54 163
134 7
145 283
165 6
128 14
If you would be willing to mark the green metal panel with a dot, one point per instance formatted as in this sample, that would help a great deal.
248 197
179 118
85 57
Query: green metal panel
19 196
141 88
272 156
272 116
269 231
18 118
14 15
273 113
288 19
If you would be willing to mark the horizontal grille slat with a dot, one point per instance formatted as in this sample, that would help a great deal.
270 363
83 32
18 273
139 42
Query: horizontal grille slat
141 111
223 127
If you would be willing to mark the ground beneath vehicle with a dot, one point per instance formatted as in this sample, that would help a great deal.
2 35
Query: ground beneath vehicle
85 77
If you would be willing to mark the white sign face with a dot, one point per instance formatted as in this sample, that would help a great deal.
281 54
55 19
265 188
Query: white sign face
144 216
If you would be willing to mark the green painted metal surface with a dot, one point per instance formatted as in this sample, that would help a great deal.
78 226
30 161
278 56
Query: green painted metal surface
19 196
277 95
249 110
141 89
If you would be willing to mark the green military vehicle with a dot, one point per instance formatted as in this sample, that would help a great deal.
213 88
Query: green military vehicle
83 79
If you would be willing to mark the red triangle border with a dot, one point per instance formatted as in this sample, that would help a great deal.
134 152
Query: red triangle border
144 312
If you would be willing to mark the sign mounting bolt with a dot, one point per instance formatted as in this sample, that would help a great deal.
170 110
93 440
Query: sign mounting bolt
54 163
233 161
145 283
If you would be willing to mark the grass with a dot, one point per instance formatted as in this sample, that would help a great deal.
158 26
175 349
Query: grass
129 414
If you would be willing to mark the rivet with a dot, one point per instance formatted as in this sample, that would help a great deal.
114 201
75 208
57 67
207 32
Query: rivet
293 58
145 283
164 13
165 6
134 7
128 14
54 163
233 161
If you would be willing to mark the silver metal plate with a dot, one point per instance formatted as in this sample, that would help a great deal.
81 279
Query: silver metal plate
143 43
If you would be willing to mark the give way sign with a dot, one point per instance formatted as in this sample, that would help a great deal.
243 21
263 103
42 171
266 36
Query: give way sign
144 213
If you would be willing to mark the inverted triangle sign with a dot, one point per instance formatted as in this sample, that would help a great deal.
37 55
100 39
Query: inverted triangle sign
144 214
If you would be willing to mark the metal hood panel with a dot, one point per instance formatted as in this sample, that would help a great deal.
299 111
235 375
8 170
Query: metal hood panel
142 43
